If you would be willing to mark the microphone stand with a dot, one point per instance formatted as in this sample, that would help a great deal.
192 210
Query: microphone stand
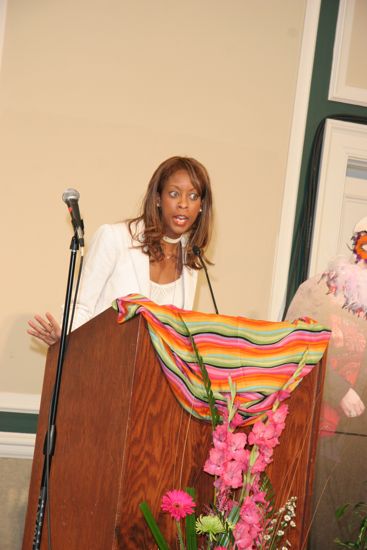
50 437
196 250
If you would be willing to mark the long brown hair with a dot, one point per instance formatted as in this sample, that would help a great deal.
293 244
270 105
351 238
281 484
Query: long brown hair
152 217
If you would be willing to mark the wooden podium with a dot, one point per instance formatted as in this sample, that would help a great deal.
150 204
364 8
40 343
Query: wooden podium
122 438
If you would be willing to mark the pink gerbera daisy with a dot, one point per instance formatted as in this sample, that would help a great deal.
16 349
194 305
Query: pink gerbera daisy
178 504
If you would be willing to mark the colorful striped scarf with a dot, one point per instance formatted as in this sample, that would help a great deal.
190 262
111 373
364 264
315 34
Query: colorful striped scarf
261 357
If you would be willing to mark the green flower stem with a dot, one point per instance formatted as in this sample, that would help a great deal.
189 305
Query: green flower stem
296 374
159 538
293 378
180 537
231 408
215 417
253 455
191 540
232 519
249 478
234 514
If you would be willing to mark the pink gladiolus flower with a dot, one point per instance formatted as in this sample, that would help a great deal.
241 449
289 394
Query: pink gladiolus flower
263 435
259 496
236 421
277 418
267 454
259 465
218 484
215 463
282 395
236 445
249 512
242 536
232 476
220 436
178 504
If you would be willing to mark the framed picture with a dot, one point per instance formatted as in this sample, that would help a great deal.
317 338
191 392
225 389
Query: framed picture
348 82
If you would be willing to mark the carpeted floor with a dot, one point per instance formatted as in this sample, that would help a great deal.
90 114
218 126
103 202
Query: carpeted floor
14 482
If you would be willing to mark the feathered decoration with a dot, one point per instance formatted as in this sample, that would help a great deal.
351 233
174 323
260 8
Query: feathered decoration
359 241
350 281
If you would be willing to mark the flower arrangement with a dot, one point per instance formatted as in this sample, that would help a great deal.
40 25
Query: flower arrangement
242 515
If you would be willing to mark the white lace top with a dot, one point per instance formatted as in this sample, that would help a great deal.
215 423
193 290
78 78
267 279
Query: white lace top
169 293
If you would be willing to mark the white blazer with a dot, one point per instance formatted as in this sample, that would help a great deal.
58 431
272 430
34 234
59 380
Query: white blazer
116 266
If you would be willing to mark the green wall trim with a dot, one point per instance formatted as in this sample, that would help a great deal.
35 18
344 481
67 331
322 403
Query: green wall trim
18 422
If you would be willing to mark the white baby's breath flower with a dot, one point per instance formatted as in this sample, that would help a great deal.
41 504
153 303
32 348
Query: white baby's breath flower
267 537
292 523
280 533
287 518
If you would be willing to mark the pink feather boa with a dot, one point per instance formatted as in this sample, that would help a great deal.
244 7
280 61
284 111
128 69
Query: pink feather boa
350 281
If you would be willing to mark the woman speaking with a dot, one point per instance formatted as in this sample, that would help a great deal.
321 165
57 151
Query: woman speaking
151 254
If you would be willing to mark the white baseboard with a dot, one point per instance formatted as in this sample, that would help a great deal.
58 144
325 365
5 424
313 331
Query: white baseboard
20 402
16 445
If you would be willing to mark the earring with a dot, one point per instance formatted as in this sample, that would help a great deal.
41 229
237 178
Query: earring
158 205
200 210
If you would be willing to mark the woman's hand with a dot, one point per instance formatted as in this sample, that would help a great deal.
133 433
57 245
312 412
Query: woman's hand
48 330
352 404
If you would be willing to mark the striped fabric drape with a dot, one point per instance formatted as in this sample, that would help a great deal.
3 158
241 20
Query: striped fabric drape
260 357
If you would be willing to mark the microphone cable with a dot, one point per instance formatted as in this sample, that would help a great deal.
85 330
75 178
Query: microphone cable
197 251
76 288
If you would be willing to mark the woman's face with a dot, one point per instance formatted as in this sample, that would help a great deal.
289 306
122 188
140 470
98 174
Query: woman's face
180 204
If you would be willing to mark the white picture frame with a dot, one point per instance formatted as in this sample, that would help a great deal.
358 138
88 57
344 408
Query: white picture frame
339 90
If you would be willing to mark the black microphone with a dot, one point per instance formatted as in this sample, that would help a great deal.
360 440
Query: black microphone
71 198
196 250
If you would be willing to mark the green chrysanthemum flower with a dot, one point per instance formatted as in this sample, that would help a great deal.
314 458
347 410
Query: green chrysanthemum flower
210 525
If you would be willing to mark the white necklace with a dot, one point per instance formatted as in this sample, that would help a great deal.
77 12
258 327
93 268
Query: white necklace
170 240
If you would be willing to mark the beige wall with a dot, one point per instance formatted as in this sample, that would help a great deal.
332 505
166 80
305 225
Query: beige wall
94 94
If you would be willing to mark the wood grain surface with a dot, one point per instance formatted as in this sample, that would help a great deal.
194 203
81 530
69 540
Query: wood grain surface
122 438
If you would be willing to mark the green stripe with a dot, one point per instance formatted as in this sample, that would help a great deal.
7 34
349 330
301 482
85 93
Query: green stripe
18 422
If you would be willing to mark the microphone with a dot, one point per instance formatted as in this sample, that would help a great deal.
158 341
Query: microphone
196 250
71 198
